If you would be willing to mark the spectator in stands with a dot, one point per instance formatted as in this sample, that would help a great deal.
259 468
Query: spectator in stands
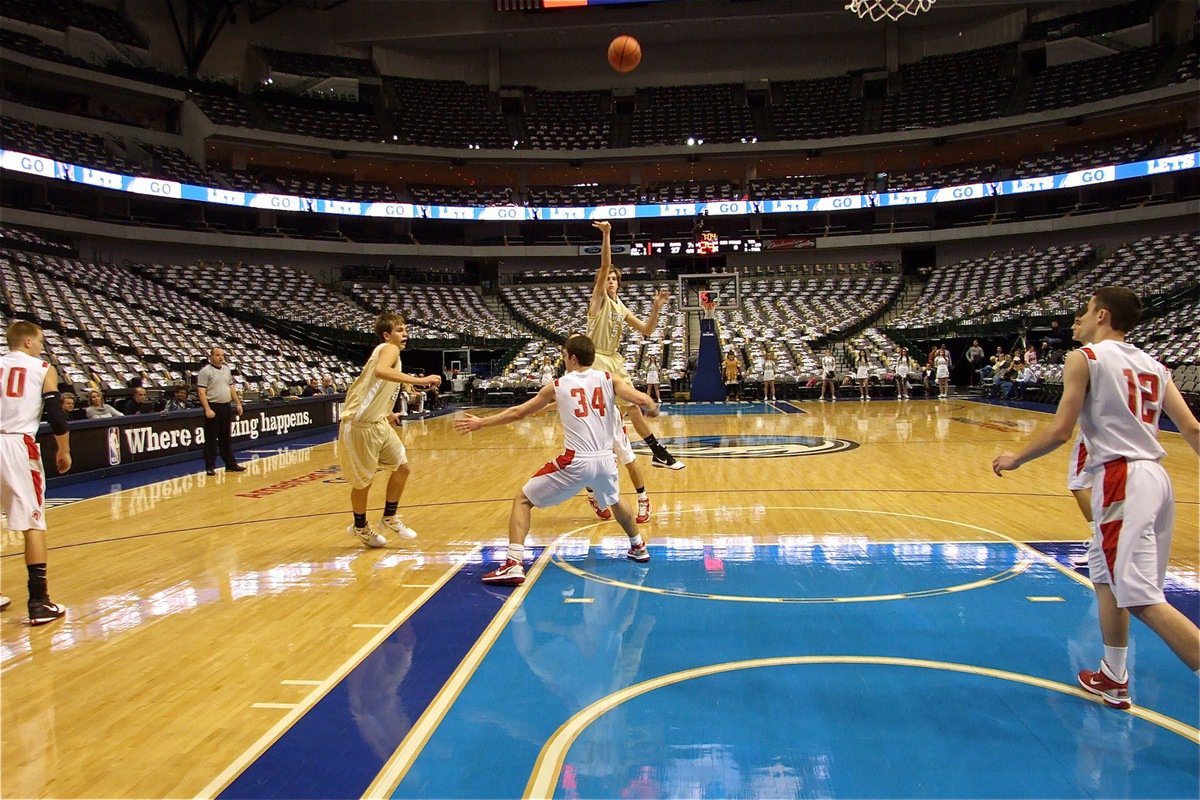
327 386
179 400
68 406
98 409
975 357
220 400
1026 379
1003 374
1031 356
136 402
1046 354
1008 388
411 398
311 389
730 369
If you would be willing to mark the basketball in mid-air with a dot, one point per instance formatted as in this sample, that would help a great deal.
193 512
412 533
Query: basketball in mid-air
624 53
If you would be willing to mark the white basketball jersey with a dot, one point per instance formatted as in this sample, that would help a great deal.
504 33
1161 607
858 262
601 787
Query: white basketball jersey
21 380
1124 401
588 413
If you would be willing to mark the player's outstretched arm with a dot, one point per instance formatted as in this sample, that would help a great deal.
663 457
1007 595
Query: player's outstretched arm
1177 409
543 398
661 298
1058 432
600 287
625 390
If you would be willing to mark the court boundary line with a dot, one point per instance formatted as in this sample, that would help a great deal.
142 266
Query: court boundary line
548 765
396 768
235 768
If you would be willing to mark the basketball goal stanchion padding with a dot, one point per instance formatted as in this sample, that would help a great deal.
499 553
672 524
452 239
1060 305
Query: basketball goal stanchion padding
877 10
707 385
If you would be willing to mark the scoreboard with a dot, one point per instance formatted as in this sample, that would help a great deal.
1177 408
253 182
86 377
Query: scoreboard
706 244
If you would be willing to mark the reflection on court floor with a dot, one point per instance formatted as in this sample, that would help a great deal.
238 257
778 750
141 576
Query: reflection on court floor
817 666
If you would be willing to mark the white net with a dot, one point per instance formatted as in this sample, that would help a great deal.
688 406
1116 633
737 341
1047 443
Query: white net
888 9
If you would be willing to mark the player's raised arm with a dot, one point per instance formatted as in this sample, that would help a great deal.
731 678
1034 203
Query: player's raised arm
661 298
626 391
1177 409
1058 432
600 287
543 398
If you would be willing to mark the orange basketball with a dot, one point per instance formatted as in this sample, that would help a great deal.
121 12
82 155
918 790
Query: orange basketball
624 53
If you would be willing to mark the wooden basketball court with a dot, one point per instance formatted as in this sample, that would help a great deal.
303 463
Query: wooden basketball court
206 616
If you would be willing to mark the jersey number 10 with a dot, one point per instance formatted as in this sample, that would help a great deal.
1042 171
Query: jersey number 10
1143 389
15 385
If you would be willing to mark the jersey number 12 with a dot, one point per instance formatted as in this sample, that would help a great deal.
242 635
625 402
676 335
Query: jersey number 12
1143 390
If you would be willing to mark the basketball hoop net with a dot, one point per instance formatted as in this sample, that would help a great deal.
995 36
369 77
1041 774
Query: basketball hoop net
891 9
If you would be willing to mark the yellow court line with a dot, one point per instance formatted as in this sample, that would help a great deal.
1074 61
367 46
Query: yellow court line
579 599
1046 599
402 759
227 775
548 766
368 625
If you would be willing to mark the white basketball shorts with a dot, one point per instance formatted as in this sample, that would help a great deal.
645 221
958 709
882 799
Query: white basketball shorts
1135 509
1078 478
22 483
562 478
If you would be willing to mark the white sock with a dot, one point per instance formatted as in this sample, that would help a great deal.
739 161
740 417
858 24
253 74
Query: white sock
516 552
1114 663
636 541
642 495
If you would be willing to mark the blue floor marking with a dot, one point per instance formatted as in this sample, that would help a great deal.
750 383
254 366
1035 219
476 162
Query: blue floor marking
873 730
338 747
716 409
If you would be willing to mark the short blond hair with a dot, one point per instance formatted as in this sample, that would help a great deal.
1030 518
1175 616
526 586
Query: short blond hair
19 330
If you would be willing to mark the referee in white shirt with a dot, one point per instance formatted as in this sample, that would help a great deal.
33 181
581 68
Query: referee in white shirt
220 401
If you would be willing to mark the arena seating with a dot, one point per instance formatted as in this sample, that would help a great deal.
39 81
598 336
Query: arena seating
75 147
958 175
26 239
317 65
567 121
1174 339
1081 156
274 291
444 310
1081 82
815 109
61 14
225 109
327 187
1152 267
321 119
950 89
31 45
1092 22
105 324
669 115
446 114
583 195
461 195
806 186
978 287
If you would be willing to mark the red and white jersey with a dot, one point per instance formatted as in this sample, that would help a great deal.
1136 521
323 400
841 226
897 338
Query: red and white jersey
1123 403
21 380
588 413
